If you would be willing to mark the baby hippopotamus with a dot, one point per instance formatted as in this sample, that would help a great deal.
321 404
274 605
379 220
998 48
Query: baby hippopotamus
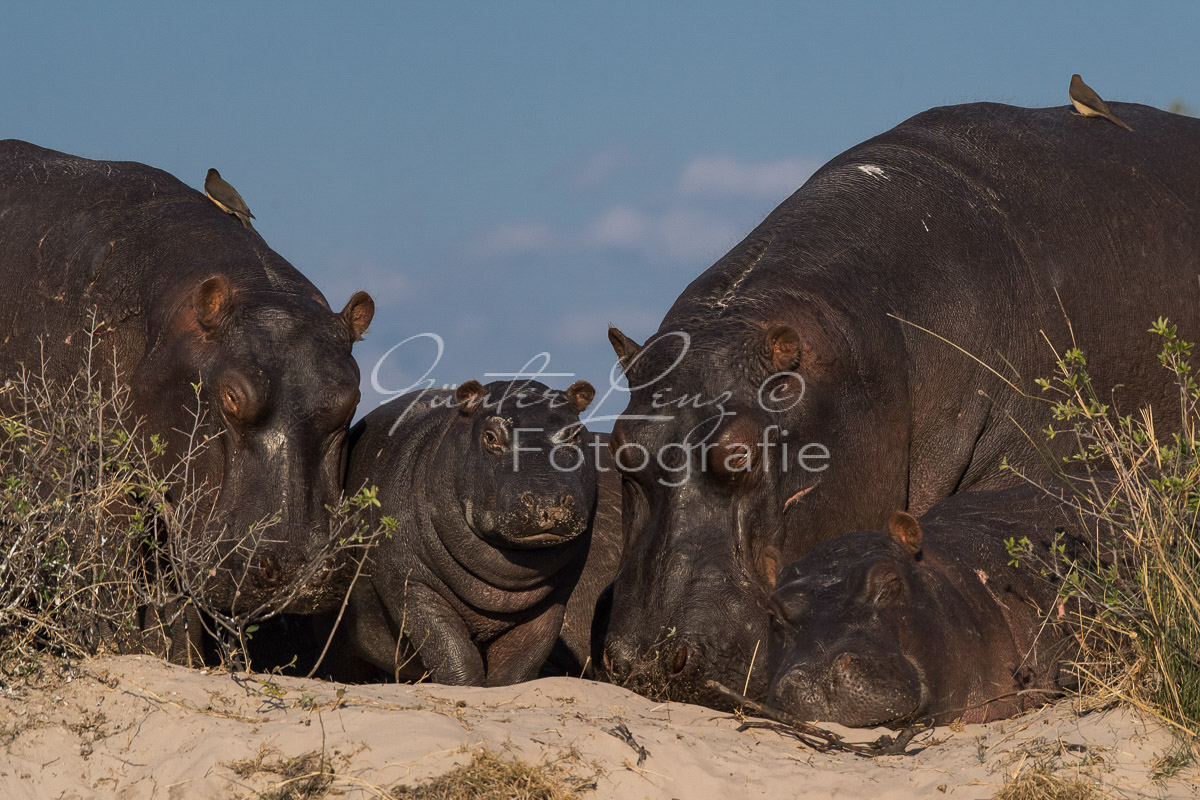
494 495
927 621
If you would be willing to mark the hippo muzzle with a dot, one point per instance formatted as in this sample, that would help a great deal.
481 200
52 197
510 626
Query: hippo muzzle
855 689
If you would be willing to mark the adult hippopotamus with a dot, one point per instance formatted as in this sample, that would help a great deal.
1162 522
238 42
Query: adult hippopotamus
928 621
853 355
493 496
186 301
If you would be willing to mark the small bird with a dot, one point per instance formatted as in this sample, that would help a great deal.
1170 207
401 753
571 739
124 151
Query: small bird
227 198
1089 104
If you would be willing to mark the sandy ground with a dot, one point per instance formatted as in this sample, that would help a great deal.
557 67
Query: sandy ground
135 727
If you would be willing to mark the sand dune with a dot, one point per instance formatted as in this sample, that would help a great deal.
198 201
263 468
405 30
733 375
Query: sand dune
135 727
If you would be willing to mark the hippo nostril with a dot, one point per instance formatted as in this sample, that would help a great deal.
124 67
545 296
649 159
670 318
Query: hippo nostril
680 660
528 499
567 501
615 662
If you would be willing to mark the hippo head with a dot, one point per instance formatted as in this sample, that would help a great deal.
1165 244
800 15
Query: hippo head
735 449
269 375
522 476
850 630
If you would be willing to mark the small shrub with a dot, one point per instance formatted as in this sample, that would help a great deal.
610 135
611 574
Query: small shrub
105 546
1137 583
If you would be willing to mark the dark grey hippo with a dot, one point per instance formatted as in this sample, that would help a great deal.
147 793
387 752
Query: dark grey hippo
494 494
184 296
928 621
789 397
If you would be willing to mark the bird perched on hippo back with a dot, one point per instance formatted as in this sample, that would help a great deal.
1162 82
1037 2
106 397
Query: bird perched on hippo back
929 621
494 496
186 304
1090 104
226 198
827 371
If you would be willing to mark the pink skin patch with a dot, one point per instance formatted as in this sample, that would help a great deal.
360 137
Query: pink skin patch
983 576
798 495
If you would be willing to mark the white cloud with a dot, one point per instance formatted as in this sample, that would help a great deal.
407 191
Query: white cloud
515 240
674 234
722 176
618 227
599 167
691 225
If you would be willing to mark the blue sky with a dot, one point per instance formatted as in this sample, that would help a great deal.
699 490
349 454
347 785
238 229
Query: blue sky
514 176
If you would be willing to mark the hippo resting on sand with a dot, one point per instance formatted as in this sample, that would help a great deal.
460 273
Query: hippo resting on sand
927 621
788 396
185 297
494 495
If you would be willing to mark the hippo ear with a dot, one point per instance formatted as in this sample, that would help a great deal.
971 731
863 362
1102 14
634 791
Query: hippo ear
903 528
782 349
580 395
212 302
470 396
358 314
625 348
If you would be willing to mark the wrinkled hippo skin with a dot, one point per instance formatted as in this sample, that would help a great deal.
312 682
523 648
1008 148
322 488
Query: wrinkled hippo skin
927 621
184 297
987 226
573 652
494 496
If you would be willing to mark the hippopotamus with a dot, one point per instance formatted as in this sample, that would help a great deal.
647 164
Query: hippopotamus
931 620
216 337
868 348
573 653
493 498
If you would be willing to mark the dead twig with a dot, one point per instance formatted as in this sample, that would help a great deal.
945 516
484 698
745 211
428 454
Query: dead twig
814 736
623 733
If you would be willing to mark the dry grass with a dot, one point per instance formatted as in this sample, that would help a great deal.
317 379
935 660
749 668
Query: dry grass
305 777
1136 586
1044 785
492 777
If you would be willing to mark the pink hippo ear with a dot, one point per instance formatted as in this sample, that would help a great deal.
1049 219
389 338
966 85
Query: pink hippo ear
470 396
903 528
625 348
580 395
358 314
212 302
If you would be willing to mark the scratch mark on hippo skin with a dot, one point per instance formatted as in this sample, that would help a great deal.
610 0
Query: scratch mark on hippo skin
873 171
798 495
731 292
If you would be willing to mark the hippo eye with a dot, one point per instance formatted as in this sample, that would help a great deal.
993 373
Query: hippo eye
492 441
881 583
238 402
